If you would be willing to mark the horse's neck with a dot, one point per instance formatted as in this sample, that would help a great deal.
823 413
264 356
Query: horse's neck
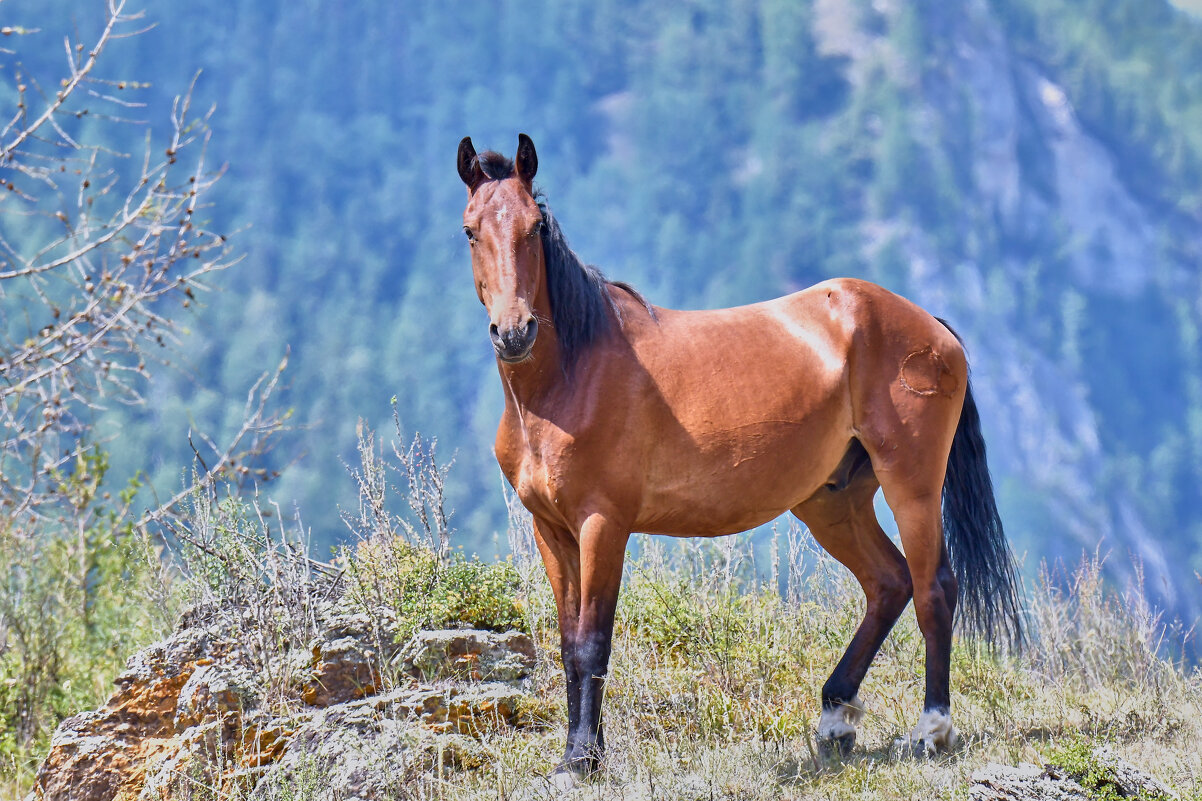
546 379
527 384
531 384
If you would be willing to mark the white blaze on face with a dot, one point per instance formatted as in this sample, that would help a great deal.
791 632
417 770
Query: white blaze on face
501 212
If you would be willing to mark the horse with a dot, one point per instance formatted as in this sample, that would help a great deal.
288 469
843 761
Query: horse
623 417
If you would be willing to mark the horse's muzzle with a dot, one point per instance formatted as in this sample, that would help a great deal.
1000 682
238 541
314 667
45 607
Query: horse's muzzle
514 343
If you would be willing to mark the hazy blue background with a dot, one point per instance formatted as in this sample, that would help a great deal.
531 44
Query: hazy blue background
1029 169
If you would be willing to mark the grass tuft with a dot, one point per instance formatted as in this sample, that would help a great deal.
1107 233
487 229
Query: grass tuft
718 659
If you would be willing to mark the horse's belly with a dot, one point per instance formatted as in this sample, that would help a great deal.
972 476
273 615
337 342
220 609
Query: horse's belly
716 522
737 482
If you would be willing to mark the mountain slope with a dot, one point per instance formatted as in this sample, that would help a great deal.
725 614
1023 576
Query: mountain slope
1028 169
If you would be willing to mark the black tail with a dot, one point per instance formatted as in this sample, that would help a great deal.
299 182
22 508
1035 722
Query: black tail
990 601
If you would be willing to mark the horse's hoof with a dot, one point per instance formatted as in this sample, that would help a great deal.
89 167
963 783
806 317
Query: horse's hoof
919 748
563 780
837 729
578 767
836 748
934 733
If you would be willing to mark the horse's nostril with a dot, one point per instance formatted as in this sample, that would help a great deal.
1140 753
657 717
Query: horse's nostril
514 341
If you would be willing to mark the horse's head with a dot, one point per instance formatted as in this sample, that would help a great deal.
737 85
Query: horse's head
502 222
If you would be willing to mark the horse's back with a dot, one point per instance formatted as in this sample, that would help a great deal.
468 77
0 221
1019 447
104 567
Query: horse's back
867 314
829 333
754 402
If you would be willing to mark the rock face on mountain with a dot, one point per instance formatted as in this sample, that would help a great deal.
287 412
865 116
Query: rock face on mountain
351 720
1071 285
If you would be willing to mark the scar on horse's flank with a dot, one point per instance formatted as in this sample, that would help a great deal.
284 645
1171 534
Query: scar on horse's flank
924 372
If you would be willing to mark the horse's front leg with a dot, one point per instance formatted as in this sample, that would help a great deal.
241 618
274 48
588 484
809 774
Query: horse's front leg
602 552
561 557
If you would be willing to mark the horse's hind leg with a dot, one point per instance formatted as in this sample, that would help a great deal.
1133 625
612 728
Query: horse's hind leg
912 480
919 522
844 522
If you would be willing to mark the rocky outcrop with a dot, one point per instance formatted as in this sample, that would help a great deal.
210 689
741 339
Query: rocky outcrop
370 748
1052 783
354 716
104 754
467 654
347 657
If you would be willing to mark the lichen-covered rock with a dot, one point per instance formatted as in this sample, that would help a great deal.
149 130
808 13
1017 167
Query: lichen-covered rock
1051 783
468 654
264 737
345 751
1026 782
103 755
1130 781
195 761
472 709
348 656
374 747
217 692
190 712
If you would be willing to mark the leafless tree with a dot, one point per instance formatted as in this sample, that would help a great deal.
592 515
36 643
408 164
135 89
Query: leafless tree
98 248
100 252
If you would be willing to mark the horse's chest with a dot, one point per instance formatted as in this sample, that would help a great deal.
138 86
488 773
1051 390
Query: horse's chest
535 462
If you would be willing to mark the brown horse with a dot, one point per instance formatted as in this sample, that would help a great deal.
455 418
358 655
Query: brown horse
623 417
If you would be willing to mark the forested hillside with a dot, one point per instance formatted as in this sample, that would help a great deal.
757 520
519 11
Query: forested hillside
1030 170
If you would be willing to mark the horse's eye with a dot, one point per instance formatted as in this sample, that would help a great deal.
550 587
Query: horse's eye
471 237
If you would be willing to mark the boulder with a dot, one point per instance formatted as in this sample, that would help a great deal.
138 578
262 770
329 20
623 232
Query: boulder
348 655
1029 782
1128 780
103 754
373 748
1026 782
219 692
192 711
468 654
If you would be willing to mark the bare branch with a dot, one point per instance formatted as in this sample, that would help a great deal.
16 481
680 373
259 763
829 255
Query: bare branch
258 422
84 311
77 75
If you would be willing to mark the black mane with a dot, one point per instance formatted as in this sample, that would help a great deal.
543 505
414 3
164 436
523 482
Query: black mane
580 294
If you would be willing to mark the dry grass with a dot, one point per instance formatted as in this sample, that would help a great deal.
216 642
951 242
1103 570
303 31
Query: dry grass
714 683
718 660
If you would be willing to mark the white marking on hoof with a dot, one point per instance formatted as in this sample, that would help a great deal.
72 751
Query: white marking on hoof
841 720
934 732
563 782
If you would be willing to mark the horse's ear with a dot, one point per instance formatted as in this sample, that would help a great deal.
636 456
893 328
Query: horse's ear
469 166
527 160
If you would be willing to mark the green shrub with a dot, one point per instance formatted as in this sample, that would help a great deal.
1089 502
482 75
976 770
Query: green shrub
427 592
1078 760
76 599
